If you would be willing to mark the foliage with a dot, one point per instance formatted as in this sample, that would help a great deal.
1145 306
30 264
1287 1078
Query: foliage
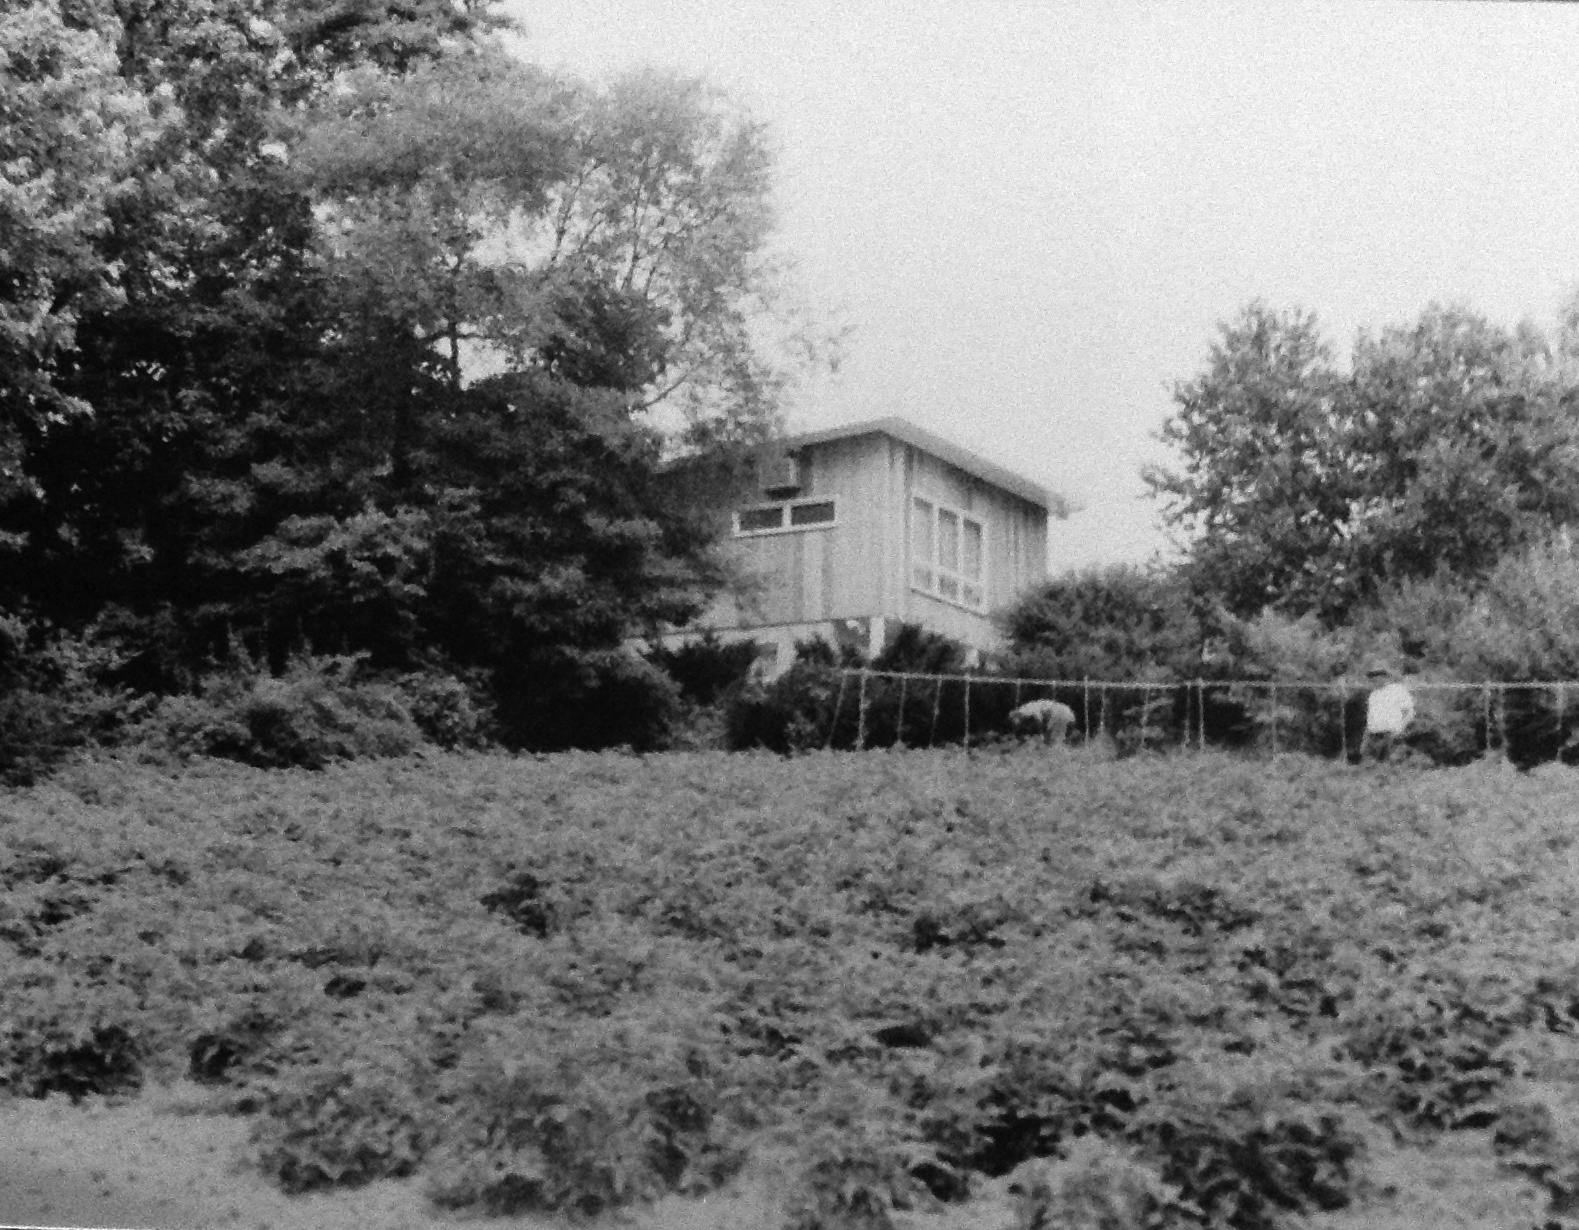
593 698
814 705
343 1124
315 713
262 241
793 713
1166 989
1116 623
1449 443
58 693
706 669
72 135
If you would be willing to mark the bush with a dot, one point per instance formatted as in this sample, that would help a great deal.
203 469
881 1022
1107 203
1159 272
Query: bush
794 713
814 705
583 1125
706 668
344 1124
590 698
317 713
1114 623
449 711
68 1035
55 695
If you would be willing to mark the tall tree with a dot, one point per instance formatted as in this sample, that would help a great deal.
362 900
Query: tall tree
71 131
1266 481
1449 443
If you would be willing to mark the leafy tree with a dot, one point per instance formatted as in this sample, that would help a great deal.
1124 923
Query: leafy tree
252 415
1448 443
1266 480
70 132
1112 623
665 209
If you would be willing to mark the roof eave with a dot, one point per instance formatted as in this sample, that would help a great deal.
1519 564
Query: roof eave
907 432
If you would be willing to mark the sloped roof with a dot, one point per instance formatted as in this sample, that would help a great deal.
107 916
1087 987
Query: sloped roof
907 432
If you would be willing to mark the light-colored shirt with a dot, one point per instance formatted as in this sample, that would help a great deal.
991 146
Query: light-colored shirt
1388 710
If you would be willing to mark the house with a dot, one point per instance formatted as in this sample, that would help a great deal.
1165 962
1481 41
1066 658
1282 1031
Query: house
847 532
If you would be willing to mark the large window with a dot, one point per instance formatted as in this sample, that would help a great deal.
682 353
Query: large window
779 518
947 554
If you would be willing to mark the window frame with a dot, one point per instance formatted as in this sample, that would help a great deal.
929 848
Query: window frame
786 518
937 574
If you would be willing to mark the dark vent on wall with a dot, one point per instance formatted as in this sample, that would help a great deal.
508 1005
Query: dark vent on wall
781 475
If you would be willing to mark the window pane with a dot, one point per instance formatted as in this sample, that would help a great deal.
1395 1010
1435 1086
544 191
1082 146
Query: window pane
971 595
972 568
921 532
811 514
921 578
949 588
761 519
948 540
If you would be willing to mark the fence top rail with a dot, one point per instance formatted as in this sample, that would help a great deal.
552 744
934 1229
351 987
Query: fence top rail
1331 685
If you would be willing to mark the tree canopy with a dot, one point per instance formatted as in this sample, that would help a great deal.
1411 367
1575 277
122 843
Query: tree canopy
1303 487
334 326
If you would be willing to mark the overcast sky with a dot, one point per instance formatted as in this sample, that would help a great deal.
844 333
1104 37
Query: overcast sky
1033 215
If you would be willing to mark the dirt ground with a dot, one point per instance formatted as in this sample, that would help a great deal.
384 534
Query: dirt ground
169 1160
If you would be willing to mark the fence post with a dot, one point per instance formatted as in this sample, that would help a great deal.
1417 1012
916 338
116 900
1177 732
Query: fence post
899 726
1343 720
1485 713
1102 712
1272 694
967 711
1562 706
1200 713
1145 712
837 701
937 703
860 718
1085 705
1502 720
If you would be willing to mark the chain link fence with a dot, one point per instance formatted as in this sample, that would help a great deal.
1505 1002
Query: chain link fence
1455 721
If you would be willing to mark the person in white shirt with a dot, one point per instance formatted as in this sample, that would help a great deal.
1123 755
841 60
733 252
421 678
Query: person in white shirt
1389 709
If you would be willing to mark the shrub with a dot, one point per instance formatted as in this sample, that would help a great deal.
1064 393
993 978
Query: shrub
55 695
584 1125
706 668
593 698
344 1124
1114 623
317 713
68 1036
451 712
814 705
1097 1185
794 713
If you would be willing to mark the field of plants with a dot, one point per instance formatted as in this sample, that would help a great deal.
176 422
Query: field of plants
1186 990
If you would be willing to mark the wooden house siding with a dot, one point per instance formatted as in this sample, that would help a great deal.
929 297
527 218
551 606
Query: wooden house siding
860 566
831 572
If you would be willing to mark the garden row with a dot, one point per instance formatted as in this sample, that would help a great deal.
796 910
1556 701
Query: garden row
1186 986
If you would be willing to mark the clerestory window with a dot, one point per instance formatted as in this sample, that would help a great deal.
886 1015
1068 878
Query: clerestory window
785 517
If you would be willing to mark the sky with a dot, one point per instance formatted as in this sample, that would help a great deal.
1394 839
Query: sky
1033 217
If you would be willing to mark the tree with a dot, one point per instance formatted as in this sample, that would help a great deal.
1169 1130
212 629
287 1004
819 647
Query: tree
665 208
1449 443
70 133
335 214
1267 479
1119 622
